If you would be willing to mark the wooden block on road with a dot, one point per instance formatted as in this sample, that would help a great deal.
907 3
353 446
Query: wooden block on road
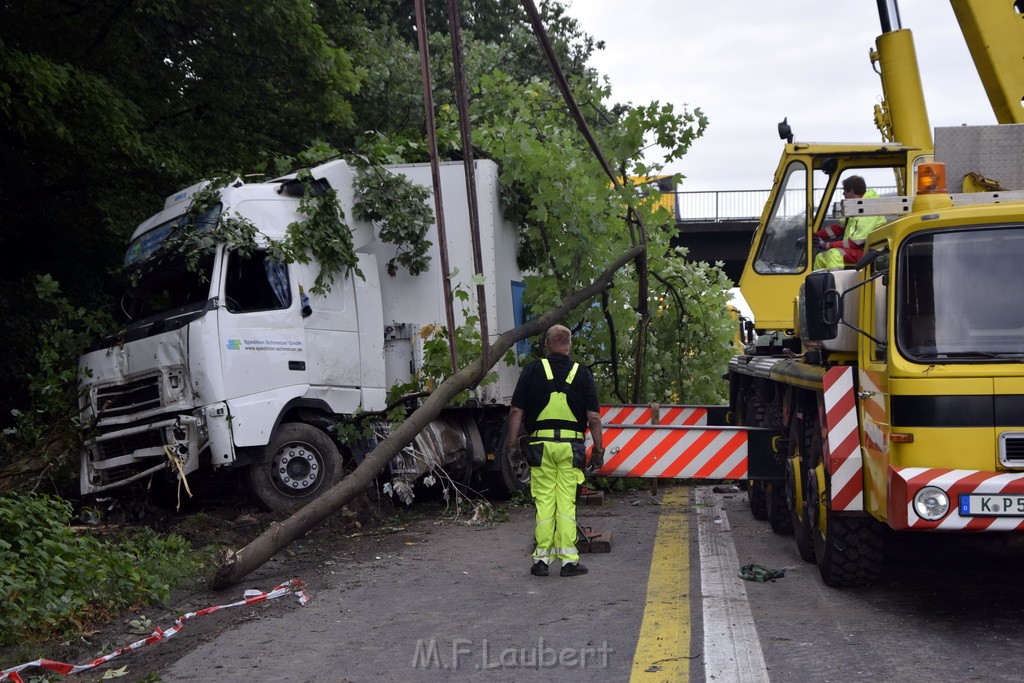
590 541
590 497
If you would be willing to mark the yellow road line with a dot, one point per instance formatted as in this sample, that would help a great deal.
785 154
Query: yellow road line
663 649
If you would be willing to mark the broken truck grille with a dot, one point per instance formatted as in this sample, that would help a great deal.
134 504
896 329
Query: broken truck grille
126 399
125 445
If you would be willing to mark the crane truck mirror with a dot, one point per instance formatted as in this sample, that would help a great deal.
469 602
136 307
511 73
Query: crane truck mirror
819 307
785 131
868 258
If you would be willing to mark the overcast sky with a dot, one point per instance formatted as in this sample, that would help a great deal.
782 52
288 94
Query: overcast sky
749 63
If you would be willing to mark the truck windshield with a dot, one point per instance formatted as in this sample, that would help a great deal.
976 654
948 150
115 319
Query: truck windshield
957 299
159 282
167 284
148 243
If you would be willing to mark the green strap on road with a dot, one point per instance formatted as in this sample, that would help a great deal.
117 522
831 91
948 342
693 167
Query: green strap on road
755 572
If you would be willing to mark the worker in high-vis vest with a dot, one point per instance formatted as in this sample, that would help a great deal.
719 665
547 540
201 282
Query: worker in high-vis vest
842 244
555 400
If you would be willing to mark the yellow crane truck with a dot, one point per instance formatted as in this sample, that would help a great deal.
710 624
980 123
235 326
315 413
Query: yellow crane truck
894 389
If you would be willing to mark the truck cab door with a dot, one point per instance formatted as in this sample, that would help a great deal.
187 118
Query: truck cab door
262 341
777 263
873 387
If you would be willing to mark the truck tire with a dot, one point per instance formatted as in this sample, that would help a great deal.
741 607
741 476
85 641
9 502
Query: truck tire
804 448
777 506
776 503
298 464
848 549
752 415
757 497
513 473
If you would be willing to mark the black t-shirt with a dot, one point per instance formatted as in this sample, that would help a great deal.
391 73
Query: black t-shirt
533 389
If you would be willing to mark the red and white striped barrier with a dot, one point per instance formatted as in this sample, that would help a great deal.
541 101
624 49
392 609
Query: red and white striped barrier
641 414
842 452
667 452
905 482
251 597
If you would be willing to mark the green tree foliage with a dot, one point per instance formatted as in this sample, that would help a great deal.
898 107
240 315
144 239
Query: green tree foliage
42 443
106 107
574 223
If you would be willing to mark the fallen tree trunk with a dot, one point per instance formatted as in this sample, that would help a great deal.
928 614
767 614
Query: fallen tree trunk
236 564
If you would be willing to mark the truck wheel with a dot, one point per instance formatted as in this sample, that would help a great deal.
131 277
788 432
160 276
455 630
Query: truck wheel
752 414
298 464
777 507
757 496
848 549
803 448
513 473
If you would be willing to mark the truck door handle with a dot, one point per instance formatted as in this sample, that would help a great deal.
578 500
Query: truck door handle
865 394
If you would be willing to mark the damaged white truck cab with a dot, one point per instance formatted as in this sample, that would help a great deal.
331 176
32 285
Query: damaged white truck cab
237 364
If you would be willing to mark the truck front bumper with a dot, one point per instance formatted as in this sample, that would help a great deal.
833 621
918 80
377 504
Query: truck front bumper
117 458
978 500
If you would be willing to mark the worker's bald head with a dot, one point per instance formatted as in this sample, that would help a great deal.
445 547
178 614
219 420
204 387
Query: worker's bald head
558 339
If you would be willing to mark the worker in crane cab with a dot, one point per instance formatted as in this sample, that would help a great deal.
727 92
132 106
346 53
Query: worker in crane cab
842 243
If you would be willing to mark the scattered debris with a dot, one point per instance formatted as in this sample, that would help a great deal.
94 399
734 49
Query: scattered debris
755 572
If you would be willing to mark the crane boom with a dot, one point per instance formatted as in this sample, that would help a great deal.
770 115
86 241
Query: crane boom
994 31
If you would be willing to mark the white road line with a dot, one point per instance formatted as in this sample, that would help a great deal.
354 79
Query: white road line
732 651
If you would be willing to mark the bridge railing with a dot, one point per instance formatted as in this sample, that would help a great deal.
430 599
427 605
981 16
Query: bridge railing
720 205
731 205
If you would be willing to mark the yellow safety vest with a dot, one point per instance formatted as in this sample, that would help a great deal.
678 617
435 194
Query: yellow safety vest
557 410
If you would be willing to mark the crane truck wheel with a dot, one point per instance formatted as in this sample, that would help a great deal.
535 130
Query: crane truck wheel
777 506
848 549
803 448
298 464
757 496
751 416
776 503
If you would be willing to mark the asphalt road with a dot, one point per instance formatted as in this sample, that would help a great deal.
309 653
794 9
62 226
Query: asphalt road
453 602
948 607
440 600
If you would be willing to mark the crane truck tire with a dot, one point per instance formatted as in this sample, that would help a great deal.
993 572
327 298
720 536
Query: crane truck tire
776 503
777 506
752 415
298 464
848 549
804 448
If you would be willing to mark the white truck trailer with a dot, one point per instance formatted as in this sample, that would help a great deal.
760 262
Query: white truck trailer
242 366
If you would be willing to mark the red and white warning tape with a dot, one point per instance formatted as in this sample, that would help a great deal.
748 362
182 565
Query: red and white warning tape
250 597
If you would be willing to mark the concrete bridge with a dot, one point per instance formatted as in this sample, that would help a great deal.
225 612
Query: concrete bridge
718 226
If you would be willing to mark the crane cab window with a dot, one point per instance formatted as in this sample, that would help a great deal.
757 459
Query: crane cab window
778 250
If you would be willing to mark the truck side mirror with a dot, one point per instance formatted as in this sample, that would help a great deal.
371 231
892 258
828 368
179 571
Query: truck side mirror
819 307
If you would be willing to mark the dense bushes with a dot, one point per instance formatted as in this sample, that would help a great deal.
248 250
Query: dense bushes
54 581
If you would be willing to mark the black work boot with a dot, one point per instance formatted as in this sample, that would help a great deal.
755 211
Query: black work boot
539 568
572 569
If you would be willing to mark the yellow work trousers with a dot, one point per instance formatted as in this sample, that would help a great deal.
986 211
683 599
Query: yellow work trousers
830 258
553 487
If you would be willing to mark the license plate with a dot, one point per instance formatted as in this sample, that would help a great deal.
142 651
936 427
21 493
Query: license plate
995 505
